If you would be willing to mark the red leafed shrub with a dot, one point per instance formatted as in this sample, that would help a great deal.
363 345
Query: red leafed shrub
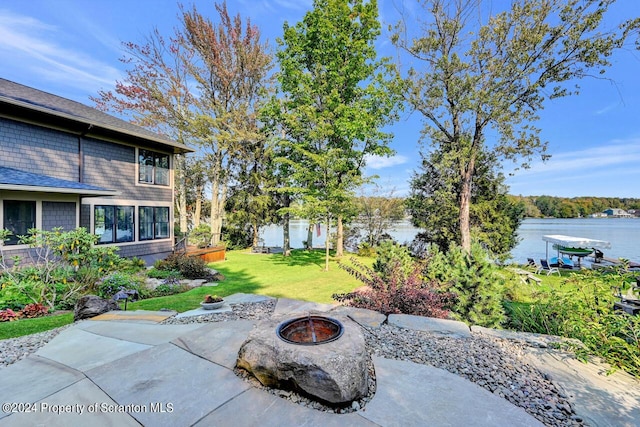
397 292
34 310
9 315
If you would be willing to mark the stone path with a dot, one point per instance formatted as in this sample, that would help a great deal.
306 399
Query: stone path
125 369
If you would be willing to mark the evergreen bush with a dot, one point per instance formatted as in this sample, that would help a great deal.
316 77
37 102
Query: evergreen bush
474 279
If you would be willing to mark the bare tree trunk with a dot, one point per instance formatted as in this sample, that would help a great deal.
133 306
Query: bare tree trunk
256 235
218 199
310 236
465 203
198 209
286 238
339 238
182 192
217 211
326 245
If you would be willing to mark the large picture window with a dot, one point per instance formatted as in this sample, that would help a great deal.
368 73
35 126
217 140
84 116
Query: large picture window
19 217
114 224
153 168
154 222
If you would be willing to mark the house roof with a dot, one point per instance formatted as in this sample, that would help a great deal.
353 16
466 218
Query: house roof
15 179
24 103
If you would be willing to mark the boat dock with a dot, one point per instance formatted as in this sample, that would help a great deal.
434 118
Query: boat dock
615 261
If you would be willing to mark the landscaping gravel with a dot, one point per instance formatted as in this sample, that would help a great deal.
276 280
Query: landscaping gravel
492 363
14 349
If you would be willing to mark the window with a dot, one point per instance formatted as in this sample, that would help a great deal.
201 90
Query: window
19 217
154 222
114 224
153 168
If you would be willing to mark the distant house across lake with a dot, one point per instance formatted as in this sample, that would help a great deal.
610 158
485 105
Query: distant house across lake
617 213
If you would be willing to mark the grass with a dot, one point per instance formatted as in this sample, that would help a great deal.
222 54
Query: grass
22 327
300 276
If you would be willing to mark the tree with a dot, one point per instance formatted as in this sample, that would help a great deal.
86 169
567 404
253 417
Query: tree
251 203
231 69
155 94
203 85
196 181
377 214
477 79
336 98
494 219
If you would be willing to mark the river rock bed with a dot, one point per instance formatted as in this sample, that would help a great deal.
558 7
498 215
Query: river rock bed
15 349
493 363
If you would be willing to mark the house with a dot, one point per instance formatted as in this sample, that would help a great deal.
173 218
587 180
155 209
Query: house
64 164
617 213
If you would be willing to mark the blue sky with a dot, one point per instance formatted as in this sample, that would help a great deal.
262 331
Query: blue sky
71 48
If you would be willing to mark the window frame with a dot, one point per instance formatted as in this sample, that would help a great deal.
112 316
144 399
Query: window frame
117 211
13 239
149 168
152 223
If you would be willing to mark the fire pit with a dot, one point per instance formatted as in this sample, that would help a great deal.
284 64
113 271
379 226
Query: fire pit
310 330
321 357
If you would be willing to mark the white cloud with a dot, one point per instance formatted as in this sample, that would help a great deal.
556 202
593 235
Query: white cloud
614 153
607 108
378 162
609 169
31 45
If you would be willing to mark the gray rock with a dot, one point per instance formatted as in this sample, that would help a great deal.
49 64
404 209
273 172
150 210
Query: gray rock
446 327
361 316
334 372
92 305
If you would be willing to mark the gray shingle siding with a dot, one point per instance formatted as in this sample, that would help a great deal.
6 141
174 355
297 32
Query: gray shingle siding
147 249
38 150
40 133
59 214
110 165
85 216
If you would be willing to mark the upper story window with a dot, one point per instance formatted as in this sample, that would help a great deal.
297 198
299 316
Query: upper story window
19 218
153 168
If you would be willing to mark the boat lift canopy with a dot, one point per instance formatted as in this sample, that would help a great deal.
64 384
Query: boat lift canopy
574 242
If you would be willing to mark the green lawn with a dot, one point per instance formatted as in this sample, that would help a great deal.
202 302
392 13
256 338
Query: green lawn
300 276
22 327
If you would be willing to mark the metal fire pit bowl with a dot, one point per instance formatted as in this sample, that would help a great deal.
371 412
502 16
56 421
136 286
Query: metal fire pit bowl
310 330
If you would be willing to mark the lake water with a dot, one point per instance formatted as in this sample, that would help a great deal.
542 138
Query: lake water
623 233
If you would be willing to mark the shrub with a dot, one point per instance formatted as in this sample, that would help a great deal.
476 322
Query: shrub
587 315
8 315
117 281
390 255
396 292
201 235
189 267
75 248
165 289
11 295
88 277
34 310
366 250
170 285
64 265
474 279
159 273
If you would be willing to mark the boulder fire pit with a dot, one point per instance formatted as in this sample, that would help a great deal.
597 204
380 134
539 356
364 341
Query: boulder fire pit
321 357
310 330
